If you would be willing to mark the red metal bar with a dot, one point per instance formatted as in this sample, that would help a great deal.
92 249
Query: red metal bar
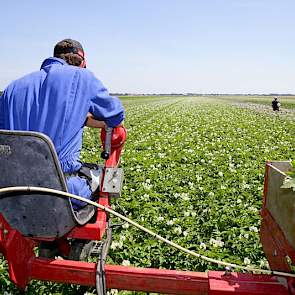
118 139
159 280
121 277
244 283
63 271
156 280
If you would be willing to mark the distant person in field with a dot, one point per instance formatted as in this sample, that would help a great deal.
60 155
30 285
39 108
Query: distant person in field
59 100
276 104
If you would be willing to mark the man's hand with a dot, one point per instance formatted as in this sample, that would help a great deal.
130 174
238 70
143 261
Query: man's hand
93 123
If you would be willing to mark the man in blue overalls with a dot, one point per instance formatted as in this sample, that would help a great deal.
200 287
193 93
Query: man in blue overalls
59 100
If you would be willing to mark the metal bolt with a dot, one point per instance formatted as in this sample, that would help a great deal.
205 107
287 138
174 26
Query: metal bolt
228 270
5 232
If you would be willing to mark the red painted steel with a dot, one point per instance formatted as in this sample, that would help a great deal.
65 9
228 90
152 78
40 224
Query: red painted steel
18 252
243 284
63 271
122 277
159 280
118 138
93 231
156 280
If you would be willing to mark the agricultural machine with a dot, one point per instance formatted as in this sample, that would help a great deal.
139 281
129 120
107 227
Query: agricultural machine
43 238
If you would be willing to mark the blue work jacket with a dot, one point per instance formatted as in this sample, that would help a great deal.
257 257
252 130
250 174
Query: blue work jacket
55 101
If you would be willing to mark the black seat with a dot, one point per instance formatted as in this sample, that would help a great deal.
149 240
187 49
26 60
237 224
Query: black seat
29 159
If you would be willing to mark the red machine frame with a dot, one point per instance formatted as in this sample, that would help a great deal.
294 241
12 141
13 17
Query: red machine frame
24 266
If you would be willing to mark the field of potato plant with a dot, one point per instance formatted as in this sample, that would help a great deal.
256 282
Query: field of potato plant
194 170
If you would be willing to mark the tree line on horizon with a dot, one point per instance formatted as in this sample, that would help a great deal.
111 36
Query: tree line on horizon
197 94
201 94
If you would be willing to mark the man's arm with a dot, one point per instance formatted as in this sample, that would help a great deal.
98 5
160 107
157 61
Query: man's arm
94 123
105 107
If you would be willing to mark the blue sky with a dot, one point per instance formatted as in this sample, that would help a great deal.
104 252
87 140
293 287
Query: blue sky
159 46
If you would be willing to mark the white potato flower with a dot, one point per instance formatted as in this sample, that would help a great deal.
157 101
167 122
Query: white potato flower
126 262
247 261
216 242
203 246
253 228
125 225
178 230
170 222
